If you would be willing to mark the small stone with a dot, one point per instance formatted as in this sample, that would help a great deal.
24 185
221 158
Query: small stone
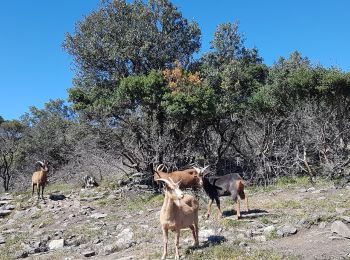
302 190
243 244
322 225
260 238
97 241
341 210
340 228
56 244
345 218
88 253
9 207
98 215
280 233
289 230
240 236
311 189
21 254
41 225
268 230
205 233
2 240
4 212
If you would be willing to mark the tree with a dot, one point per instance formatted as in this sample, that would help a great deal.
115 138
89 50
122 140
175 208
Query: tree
126 39
10 136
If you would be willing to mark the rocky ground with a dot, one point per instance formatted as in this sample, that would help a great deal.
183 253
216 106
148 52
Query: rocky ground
291 220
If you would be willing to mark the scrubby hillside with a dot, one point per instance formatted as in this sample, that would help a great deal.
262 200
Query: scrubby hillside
290 220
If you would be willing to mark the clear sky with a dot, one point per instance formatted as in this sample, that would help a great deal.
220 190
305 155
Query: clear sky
34 68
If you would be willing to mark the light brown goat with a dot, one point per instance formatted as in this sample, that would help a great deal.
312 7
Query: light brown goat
39 178
188 178
179 211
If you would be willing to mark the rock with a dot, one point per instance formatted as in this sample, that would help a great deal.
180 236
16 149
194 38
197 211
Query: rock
98 215
2 240
240 236
41 225
341 210
279 233
21 254
88 253
9 207
205 233
336 238
302 190
287 230
345 218
304 223
4 212
124 239
322 225
243 244
40 247
3 202
249 234
311 189
341 229
268 230
56 244
9 231
109 249
260 238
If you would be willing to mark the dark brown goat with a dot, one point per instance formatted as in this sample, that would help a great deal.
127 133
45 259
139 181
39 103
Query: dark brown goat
227 185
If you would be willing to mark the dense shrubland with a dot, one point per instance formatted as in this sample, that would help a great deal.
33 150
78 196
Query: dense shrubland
139 98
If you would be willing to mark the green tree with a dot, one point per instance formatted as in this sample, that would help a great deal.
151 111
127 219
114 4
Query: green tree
126 39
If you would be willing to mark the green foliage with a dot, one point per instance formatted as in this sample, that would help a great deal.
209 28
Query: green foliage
126 39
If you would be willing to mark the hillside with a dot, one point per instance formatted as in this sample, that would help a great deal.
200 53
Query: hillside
290 220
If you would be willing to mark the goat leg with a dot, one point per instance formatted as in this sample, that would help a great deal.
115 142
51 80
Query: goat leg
238 209
33 189
246 203
209 207
42 192
177 238
165 240
217 200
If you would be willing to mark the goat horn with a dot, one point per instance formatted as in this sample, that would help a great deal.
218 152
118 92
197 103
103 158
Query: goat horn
197 170
205 168
40 162
158 168
166 181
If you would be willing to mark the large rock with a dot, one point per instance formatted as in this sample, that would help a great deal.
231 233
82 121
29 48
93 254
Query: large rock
56 244
4 212
341 229
287 230
125 239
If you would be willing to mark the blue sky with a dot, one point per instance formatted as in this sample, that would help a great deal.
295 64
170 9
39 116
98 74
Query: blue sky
34 68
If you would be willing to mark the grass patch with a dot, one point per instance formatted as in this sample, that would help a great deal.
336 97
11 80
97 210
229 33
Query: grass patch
287 204
60 188
225 251
144 201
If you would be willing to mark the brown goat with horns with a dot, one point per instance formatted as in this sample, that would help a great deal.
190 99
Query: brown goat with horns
188 178
39 178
